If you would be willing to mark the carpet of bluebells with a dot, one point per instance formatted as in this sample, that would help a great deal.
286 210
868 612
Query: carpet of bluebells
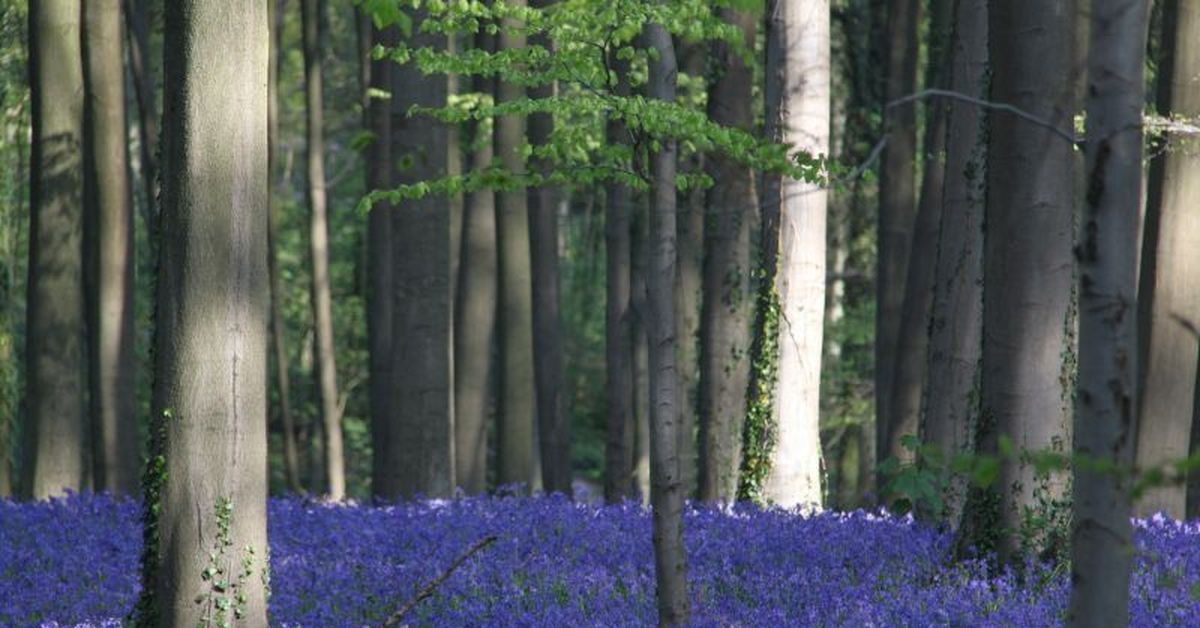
74 561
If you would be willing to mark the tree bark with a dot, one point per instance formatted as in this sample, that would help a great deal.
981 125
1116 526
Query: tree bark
211 332
1101 535
797 101
109 235
727 306
640 357
666 486
138 31
56 433
1028 318
1169 294
518 443
325 374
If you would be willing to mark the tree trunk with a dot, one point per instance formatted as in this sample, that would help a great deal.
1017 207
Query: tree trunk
554 427
728 293
517 450
475 314
666 488
1101 535
312 14
897 204
138 31
640 358
1028 318
1169 295
955 342
797 101
207 503
109 233
908 374
56 436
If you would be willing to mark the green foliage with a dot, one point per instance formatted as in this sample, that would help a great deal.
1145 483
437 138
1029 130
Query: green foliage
758 437
224 599
154 477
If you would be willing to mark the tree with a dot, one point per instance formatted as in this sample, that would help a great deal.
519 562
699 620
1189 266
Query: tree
1169 291
728 285
55 306
138 31
108 227
1028 316
797 101
1101 534
206 494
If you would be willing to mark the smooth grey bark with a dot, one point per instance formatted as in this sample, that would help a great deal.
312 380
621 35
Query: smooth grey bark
666 487
908 373
414 433
325 373
475 313
1169 293
138 32
640 358
1028 316
108 226
55 318
1101 534
897 204
956 326
797 106
517 451
211 333
727 308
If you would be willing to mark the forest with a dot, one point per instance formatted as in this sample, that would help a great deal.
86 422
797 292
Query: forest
599 313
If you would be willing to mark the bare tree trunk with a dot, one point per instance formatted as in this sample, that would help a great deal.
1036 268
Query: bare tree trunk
797 101
475 313
666 487
517 449
207 503
640 358
1169 294
1028 317
312 12
1101 535
109 233
955 342
56 434
728 293
138 31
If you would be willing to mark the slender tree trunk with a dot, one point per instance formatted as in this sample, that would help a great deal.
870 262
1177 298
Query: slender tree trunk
897 203
517 449
475 331
955 342
666 487
1169 295
640 358
208 506
797 100
728 293
1028 317
109 230
1101 535
554 427
312 12
56 434
138 30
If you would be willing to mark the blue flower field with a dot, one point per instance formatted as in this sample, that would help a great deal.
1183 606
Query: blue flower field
74 561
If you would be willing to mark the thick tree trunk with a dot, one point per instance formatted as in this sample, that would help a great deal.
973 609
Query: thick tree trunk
56 433
666 486
475 314
1028 317
728 293
797 101
211 334
138 31
640 357
1101 535
517 449
109 232
1169 294
312 12
955 343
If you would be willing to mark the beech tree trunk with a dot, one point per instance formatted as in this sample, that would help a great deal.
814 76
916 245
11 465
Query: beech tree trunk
210 402
640 357
138 31
56 432
728 293
1101 535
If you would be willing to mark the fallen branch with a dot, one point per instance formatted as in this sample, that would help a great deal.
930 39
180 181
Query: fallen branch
432 585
